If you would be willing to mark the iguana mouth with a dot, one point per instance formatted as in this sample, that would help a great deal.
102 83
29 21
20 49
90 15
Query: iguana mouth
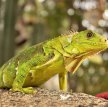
95 44
98 44
89 53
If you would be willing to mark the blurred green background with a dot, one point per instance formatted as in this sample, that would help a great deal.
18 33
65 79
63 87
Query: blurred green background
26 22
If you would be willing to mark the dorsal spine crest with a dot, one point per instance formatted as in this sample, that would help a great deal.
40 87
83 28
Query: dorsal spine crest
69 33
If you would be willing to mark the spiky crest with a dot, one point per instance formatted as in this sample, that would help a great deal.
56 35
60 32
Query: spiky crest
71 32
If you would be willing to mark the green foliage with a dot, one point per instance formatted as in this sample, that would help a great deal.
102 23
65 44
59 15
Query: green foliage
8 34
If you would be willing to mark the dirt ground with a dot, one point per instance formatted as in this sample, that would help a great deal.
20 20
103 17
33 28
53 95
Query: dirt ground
46 98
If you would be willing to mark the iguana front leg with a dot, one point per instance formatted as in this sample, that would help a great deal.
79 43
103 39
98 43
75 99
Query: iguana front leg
63 80
48 63
21 75
23 71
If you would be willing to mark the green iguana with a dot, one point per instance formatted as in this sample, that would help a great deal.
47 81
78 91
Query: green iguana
35 65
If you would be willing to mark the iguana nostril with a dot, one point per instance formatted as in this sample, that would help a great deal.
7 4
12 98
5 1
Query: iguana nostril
103 40
106 39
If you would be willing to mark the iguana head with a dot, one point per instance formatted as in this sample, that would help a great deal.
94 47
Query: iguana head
81 45
88 42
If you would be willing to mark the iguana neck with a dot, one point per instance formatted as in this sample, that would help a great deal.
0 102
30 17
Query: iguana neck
69 45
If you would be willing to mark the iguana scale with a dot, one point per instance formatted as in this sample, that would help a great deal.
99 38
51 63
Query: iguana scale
35 65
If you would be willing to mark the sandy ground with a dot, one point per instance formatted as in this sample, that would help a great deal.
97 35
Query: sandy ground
46 98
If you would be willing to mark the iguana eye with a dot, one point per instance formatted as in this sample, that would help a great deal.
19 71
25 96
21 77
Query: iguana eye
89 34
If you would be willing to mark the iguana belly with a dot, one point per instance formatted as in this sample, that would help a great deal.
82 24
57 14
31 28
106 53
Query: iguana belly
39 76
